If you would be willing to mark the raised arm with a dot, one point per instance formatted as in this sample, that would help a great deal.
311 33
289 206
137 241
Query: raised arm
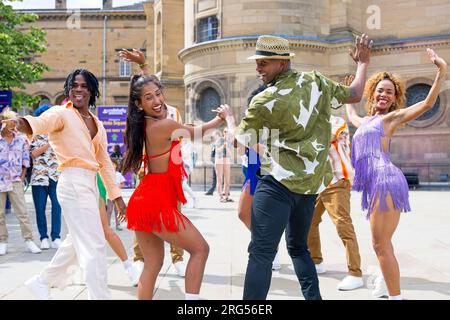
137 57
19 123
195 132
352 115
361 55
231 125
405 115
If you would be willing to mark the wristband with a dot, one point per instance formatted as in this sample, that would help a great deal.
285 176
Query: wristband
143 65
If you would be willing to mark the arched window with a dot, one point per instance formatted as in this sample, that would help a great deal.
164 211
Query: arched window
207 29
417 93
209 99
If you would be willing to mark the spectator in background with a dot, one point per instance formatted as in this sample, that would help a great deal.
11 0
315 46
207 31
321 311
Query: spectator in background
14 161
120 181
44 180
214 136
188 164
224 150
117 155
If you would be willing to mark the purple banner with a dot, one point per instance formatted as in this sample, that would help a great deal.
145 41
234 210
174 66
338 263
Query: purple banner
114 120
5 99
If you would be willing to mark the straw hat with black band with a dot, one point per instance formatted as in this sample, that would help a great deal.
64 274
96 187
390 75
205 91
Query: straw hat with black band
272 47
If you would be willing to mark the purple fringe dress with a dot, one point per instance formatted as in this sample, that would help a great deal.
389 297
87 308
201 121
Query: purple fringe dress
375 174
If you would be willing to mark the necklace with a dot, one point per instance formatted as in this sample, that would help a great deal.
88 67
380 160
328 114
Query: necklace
86 117
151 118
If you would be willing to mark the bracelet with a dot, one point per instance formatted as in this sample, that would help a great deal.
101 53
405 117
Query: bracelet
143 65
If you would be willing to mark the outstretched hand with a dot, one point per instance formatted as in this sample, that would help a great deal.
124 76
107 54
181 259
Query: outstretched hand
361 52
435 59
133 56
225 112
348 79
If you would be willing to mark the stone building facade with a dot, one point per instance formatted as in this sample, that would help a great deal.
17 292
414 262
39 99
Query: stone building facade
90 39
220 34
199 49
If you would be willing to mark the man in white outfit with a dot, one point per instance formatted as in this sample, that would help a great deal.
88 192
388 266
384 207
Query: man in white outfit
79 141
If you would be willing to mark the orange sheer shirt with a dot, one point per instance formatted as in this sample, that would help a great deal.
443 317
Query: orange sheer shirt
70 139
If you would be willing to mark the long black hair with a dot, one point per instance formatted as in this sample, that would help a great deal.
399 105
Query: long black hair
134 131
91 82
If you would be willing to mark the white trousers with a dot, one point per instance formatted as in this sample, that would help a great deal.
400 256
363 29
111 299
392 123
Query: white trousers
85 244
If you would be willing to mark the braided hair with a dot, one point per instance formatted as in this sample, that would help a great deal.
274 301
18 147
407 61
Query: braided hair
91 82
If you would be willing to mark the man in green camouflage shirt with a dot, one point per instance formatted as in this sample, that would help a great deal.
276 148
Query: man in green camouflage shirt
291 119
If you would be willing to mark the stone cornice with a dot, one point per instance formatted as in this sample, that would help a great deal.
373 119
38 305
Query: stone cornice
88 14
314 44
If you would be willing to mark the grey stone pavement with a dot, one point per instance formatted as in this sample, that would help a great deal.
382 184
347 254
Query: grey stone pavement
422 245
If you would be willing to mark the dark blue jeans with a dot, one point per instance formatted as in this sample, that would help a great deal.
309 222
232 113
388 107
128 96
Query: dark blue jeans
275 210
8 203
40 194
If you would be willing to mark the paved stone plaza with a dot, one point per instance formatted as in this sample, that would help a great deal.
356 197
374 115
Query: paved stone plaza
422 244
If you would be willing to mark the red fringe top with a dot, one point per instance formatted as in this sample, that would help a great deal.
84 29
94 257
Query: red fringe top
155 201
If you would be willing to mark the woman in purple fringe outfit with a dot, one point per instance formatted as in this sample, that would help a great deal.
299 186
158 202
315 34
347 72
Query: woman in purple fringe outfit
383 185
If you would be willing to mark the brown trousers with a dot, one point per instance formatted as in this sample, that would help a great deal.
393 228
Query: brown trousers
19 206
175 252
336 200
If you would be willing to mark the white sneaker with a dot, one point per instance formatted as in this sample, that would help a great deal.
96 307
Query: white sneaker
3 248
180 266
44 244
32 247
134 272
380 289
276 265
40 290
350 283
320 268
56 243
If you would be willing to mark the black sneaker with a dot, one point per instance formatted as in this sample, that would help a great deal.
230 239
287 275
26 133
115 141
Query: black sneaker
209 193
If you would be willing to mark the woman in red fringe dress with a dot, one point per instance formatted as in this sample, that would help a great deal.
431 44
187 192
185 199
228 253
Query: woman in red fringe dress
152 209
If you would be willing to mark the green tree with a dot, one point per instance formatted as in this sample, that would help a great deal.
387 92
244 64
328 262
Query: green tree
20 45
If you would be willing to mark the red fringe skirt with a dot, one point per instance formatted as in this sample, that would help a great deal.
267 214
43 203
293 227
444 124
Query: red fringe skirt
154 203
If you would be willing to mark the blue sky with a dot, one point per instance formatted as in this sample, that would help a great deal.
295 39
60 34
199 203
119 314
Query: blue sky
50 4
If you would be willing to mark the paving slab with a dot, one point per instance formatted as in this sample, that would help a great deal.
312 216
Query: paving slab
422 246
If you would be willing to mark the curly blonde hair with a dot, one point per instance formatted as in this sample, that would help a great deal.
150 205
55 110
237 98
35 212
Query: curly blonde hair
371 85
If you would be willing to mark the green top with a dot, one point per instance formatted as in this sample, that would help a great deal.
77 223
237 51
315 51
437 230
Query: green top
101 188
292 118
